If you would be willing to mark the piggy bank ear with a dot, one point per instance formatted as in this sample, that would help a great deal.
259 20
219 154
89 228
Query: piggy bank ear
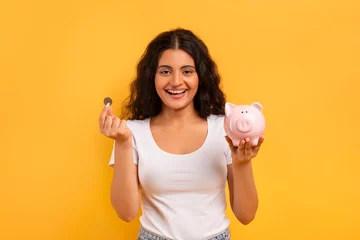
257 106
228 108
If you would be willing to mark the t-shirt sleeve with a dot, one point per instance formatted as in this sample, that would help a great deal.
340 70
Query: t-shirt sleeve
227 150
135 154
227 153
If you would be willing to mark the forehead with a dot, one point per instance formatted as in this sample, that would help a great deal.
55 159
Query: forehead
175 57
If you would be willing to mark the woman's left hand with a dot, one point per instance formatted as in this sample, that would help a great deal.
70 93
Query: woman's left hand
244 152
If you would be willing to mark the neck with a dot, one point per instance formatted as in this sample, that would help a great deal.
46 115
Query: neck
176 117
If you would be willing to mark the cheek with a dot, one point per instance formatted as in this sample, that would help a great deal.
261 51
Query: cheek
193 82
160 92
159 87
158 83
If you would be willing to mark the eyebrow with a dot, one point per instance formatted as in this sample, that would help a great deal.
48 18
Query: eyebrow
185 66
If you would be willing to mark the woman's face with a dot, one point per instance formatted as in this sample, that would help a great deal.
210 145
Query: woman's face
176 80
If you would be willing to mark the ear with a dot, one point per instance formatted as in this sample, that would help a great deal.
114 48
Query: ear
228 108
257 106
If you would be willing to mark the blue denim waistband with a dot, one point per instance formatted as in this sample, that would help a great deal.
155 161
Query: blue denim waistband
147 235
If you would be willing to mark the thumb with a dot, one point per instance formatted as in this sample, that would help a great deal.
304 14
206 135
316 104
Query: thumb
231 145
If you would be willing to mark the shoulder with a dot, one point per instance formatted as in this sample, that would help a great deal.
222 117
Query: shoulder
218 133
137 125
217 123
138 128
216 118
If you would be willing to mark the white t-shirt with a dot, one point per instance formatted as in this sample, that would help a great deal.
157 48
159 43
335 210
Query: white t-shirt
183 195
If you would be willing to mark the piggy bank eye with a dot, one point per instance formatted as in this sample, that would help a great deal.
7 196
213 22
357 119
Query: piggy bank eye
246 111
242 111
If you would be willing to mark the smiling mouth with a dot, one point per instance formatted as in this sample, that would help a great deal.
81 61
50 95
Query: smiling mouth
176 92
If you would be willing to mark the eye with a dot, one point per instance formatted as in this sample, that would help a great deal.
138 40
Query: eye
246 112
188 72
165 72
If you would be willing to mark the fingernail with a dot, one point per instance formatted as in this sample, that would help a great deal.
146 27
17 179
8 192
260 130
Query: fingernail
107 105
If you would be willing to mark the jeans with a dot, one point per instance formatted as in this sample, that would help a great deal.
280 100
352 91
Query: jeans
147 235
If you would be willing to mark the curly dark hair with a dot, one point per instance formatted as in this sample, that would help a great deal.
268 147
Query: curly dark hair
144 101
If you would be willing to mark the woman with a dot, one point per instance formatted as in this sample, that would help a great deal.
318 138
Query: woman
172 151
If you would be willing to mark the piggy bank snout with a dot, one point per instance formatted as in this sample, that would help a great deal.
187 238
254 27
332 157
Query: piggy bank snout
244 125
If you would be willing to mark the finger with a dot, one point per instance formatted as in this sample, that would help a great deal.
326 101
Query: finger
115 125
229 141
122 125
102 117
107 125
261 140
247 146
242 145
231 144
257 147
109 110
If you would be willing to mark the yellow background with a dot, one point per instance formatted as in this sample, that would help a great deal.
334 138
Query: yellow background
59 59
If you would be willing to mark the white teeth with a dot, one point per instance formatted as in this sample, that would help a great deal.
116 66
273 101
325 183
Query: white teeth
176 91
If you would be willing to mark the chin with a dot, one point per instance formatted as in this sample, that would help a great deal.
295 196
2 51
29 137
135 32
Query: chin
178 102
177 106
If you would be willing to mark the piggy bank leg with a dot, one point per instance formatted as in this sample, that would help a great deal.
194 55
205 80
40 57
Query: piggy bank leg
254 141
236 143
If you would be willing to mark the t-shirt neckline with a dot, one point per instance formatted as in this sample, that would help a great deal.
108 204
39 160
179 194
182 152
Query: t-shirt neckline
153 142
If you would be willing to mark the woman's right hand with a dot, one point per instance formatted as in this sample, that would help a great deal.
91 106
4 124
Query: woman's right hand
113 127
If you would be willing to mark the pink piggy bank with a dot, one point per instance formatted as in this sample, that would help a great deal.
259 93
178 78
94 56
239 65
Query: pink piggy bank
244 121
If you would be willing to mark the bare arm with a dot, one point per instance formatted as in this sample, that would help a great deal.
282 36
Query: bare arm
243 194
124 193
125 197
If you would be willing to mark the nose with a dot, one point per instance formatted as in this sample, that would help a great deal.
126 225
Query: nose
244 125
176 79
